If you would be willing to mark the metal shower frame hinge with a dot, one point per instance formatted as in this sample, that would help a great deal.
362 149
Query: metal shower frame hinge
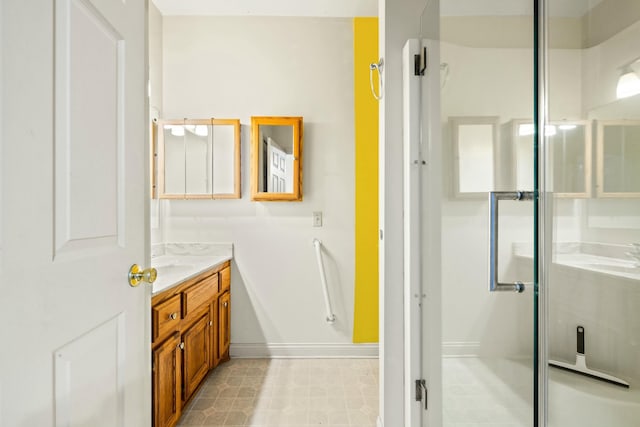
420 396
420 62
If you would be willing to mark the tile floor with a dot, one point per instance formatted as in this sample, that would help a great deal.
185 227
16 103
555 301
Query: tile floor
287 392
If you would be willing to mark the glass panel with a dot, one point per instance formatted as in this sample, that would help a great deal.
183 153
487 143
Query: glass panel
486 71
224 148
174 159
198 158
594 271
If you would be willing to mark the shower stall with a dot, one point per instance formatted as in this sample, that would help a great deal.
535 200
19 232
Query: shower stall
522 214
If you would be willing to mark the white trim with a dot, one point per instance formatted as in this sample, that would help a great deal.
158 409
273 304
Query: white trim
412 202
460 349
379 422
306 350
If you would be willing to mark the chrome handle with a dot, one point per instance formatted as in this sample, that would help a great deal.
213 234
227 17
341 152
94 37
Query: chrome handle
494 198
173 316
138 275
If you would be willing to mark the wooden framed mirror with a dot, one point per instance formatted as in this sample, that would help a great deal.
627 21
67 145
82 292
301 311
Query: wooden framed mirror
198 158
276 158
569 151
618 156
475 141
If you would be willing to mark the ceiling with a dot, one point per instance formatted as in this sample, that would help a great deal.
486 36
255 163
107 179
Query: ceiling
350 8
565 8
324 8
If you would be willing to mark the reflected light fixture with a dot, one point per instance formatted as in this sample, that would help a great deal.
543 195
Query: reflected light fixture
177 131
628 82
527 129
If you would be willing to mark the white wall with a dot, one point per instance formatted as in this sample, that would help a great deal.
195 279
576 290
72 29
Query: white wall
238 67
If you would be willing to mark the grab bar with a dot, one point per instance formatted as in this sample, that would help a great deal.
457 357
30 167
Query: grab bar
325 290
494 198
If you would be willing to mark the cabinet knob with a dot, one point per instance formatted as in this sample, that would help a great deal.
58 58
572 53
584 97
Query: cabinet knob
173 316
226 304
181 345
210 323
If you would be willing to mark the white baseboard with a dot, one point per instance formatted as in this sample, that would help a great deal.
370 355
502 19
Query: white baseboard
263 350
460 349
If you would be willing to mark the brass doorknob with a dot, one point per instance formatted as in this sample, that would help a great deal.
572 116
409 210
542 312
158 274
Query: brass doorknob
137 275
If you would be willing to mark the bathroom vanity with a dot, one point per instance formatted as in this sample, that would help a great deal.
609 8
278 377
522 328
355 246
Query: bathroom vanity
190 314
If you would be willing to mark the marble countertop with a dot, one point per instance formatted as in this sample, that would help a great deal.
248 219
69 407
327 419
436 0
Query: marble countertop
596 257
176 263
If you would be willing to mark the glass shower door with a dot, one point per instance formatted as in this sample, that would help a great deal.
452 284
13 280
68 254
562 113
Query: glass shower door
592 190
484 54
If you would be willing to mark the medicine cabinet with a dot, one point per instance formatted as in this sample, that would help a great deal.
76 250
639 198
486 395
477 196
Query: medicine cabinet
618 157
474 152
276 158
570 154
198 159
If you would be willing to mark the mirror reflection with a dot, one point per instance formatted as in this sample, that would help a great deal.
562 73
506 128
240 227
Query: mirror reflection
474 142
276 151
199 159
570 155
276 159
618 158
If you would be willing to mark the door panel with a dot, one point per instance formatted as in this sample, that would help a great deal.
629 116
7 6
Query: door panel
481 71
73 134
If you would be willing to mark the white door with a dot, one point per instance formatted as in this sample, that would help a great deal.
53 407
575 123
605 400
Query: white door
75 336
279 174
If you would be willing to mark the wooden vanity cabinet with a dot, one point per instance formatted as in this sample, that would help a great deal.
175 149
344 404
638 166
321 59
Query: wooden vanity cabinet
195 356
191 335
167 382
224 316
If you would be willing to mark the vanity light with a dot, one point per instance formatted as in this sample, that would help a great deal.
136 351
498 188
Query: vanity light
628 83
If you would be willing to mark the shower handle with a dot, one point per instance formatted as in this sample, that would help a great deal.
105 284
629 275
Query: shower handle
494 198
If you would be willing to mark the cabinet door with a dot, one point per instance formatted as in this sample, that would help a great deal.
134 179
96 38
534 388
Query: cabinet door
213 333
166 382
195 358
224 325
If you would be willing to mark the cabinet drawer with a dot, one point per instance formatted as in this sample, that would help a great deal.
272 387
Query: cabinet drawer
198 295
225 279
166 317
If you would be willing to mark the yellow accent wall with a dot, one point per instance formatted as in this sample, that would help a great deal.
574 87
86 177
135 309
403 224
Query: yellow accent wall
365 51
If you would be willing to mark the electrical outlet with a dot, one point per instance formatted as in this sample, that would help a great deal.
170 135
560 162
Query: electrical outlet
317 219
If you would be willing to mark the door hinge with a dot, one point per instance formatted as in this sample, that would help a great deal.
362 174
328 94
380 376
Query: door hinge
420 63
421 392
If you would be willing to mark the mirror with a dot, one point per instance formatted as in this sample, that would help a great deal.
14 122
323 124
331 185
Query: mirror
474 145
570 152
618 158
276 158
198 159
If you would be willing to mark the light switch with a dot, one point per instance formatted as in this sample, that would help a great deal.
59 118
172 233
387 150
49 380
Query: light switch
317 219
